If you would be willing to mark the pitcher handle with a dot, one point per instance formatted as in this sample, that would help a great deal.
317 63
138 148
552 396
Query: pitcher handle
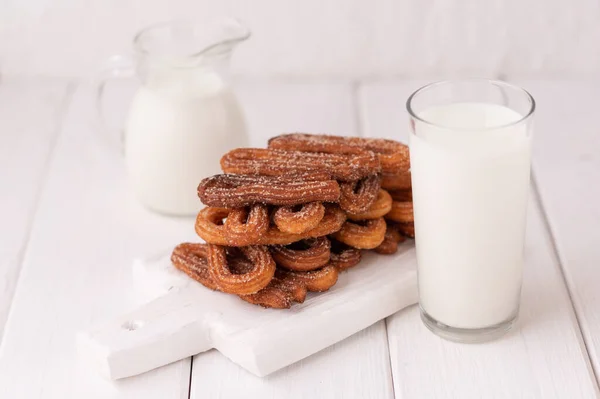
116 67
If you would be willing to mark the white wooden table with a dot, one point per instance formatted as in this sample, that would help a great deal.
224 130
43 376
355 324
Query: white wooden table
70 229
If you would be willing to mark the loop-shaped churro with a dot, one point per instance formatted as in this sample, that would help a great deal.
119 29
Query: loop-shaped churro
401 195
300 218
244 226
343 257
287 287
332 221
249 282
358 196
381 206
393 156
191 259
315 281
406 229
390 241
401 212
302 256
209 226
234 191
397 181
362 235
310 183
269 162
281 292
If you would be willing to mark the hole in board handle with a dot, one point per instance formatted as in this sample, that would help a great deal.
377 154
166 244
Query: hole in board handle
132 325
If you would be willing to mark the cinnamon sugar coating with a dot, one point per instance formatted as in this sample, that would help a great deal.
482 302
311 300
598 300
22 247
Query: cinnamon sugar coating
390 242
358 196
393 156
379 208
396 181
255 279
362 235
401 212
269 162
297 221
276 221
209 226
247 225
234 191
303 256
343 257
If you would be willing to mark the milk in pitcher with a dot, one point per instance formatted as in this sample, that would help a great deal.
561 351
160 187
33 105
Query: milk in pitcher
179 125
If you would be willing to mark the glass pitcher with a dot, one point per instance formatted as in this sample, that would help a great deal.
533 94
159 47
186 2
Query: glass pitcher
184 116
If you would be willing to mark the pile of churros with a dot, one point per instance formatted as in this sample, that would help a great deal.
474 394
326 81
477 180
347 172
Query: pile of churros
286 220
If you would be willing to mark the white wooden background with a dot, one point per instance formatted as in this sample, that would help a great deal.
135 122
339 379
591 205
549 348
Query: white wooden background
70 229
349 38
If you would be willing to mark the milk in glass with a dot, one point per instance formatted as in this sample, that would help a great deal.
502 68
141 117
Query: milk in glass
470 191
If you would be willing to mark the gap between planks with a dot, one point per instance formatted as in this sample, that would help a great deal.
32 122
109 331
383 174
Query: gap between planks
61 113
360 121
190 377
357 121
594 374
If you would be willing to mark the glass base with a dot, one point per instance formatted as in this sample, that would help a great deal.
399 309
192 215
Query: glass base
467 335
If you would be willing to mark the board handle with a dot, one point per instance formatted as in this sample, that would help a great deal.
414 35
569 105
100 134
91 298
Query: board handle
168 329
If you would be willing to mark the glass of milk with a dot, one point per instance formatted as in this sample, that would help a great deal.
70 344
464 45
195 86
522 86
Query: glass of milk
184 116
470 153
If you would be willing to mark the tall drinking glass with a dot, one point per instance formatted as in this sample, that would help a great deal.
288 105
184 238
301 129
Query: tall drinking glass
470 153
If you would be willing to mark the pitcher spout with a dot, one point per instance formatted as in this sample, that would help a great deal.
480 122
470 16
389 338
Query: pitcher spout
187 40
229 32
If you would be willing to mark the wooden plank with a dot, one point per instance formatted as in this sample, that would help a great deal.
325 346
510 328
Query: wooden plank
30 113
567 171
66 287
544 357
77 271
355 367
189 319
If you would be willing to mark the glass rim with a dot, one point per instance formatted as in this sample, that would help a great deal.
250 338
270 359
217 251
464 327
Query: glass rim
243 34
499 83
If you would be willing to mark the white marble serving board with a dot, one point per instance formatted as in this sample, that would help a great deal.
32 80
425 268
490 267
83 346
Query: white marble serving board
183 318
